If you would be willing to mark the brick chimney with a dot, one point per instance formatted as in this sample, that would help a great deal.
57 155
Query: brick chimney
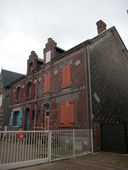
101 26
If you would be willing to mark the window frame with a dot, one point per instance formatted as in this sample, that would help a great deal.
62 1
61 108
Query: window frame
48 56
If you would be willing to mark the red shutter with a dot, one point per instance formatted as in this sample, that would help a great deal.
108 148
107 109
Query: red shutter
66 76
47 83
63 77
67 114
71 113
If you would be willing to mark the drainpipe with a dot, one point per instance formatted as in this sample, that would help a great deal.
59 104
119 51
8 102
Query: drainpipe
89 84
89 91
3 109
36 93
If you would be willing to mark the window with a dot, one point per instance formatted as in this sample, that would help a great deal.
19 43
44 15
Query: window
66 76
33 115
47 109
37 117
67 114
18 94
11 119
47 82
29 90
48 56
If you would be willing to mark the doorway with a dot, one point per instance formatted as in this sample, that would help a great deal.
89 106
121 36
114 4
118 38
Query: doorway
27 119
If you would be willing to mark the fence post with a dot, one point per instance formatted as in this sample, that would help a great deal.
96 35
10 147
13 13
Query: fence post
49 145
73 143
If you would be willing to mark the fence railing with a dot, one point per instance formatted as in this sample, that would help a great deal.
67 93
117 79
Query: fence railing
68 143
33 147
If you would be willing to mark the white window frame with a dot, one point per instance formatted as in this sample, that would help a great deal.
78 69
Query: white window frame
48 56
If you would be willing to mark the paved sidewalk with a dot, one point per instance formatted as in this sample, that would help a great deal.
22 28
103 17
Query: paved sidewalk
97 161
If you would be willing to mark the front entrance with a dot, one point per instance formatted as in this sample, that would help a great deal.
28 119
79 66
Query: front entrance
15 118
114 138
27 119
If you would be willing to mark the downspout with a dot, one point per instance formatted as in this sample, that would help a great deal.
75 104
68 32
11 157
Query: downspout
3 108
89 96
36 93
89 84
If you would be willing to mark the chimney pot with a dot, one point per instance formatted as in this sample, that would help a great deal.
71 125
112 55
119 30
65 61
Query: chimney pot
101 26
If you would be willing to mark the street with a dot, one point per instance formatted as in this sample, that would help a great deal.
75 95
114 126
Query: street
97 161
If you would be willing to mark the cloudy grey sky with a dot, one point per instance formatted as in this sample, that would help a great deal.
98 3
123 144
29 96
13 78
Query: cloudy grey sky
25 25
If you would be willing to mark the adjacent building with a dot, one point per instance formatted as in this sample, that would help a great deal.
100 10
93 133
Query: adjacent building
6 77
84 87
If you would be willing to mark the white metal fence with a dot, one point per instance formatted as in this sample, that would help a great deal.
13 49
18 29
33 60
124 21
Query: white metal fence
23 148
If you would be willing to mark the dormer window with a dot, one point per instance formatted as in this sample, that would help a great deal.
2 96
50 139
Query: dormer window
48 56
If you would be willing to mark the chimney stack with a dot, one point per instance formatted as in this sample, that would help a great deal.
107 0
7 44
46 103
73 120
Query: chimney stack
101 26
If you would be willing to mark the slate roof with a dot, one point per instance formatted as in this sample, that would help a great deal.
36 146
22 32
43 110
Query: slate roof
9 76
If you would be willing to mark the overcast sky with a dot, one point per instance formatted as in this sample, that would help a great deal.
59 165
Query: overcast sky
25 25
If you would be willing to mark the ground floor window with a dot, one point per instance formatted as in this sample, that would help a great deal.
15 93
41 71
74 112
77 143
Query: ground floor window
67 114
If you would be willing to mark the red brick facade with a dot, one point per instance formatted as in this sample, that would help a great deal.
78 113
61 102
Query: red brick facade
58 91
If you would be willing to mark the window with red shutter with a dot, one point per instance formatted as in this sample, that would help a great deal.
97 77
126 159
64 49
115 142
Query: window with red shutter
66 76
47 82
67 114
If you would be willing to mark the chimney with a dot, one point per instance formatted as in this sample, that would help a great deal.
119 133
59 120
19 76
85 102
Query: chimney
101 26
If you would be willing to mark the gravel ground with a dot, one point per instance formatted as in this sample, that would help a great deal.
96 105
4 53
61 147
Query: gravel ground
95 161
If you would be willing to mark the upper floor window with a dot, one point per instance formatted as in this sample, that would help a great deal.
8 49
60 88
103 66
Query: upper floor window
18 94
47 109
66 76
29 90
33 116
48 56
47 82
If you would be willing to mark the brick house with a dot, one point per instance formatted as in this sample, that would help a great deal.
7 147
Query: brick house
84 87
6 77
49 95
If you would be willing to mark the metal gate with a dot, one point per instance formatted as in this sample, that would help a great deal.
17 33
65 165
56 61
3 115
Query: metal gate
24 148
114 138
